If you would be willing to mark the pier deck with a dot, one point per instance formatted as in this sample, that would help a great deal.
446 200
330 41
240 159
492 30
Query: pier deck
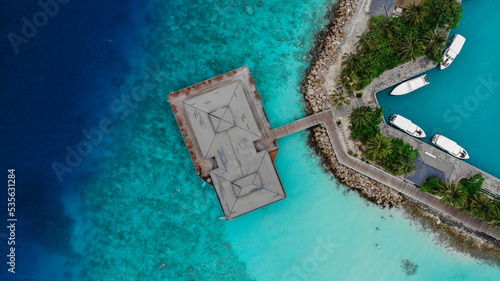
291 128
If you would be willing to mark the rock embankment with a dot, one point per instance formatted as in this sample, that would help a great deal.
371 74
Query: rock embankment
318 100
313 86
372 190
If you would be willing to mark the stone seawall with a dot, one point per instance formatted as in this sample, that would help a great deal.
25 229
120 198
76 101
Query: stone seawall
322 81
371 189
345 24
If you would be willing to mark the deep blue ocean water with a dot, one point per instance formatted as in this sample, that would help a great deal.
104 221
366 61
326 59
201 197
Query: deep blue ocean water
85 99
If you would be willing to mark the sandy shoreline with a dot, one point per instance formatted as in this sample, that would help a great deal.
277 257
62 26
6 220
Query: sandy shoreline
320 82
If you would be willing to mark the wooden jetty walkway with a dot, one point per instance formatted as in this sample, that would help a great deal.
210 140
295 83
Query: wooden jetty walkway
269 136
327 119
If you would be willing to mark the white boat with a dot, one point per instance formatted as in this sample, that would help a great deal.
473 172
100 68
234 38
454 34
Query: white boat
410 85
453 50
407 126
450 146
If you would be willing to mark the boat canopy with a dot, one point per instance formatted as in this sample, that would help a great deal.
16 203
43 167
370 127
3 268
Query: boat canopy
412 128
457 44
417 83
451 54
449 145
404 124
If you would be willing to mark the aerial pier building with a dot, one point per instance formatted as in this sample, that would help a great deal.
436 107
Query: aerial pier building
221 119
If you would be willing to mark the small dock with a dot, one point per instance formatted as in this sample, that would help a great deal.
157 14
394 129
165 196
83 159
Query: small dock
291 128
220 120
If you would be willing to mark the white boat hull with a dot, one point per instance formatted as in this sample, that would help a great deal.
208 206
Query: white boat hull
450 146
406 126
410 86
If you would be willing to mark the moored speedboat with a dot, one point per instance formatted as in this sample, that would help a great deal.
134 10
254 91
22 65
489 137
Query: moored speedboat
453 50
406 126
450 146
410 85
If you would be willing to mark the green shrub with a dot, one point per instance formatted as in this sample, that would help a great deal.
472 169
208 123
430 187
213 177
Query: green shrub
369 128
473 184
365 126
400 149
431 185
382 46
359 95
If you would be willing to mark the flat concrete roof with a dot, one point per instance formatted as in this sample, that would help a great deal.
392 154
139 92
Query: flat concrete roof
219 122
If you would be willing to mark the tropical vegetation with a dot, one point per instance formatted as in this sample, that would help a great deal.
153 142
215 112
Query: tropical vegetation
390 42
465 196
365 121
452 194
339 99
394 155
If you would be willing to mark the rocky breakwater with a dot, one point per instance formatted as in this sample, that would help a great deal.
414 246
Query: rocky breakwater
327 49
372 190
316 94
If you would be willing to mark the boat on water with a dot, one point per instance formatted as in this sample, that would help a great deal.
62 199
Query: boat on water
406 126
450 146
410 85
453 50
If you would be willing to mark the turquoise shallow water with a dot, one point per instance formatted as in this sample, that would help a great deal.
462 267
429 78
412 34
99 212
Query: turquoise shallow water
462 101
129 223
281 242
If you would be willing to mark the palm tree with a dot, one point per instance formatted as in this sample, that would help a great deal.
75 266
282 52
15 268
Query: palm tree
379 146
340 99
495 218
453 194
351 62
406 166
415 14
384 26
434 43
481 206
411 49
361 116
466 207
348 79
451 4
364 41
449 14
